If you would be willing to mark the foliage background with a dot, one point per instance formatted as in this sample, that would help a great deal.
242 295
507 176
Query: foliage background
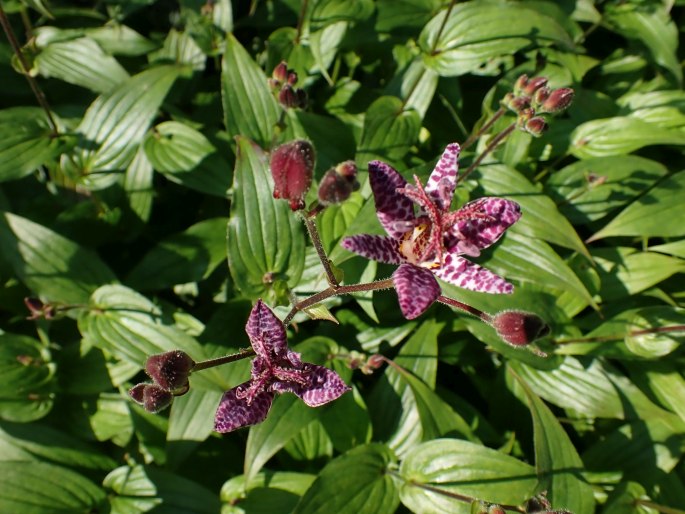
124 215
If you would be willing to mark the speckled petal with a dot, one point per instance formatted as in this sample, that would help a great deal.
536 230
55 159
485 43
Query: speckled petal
391 206
443 179
266 332
463 273
324 386
481 233
416 289
234 412
377 248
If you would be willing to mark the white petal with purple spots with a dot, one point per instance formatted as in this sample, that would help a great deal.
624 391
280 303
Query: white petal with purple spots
443 179
266 332
416 289
462 273
391 206
323 386
499 214
234 412
378 248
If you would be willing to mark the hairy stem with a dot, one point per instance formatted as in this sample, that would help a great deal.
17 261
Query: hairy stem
211 363
464 307
310 223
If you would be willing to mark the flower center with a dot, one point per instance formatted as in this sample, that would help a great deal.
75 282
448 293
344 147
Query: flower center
414 245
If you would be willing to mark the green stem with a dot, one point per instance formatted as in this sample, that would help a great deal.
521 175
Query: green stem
474 137
466 308
211 363
491 146
38 93
618 337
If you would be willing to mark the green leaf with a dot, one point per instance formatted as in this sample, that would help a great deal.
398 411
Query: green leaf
267 492
666 383
416 85
51 265
557 461
250 109
477 33
624 499
453 467
185 156
39 488
656 214
181 48
663 108
651 24
138 186
357 482
145 488
264 236
27 380
347 422
619 135
389 131
287 417
131 328
625 271
115 124
81 62
404 14
648 335
540 219
590 189
36 441
189 256
25 142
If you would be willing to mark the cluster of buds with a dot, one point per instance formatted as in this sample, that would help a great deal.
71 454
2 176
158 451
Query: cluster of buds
39 310
282 83
365 364
531 98
169 372
338 183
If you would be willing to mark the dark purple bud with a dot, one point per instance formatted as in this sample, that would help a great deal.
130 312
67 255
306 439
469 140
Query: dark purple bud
338 183
287 97
280 73
538 503
519 328
292 78
558 100
535 126
156 399
292 166
170 370
520 83
137 393
540 96
534 84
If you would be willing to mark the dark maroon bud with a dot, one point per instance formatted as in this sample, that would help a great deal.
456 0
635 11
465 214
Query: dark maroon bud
520 83
519 328
375 361
156 399
540 96
558 100
137 392
287 97
170 370
538 503
301 98
338 183
280 73
292 166
534 84
536 126
292 78
347 169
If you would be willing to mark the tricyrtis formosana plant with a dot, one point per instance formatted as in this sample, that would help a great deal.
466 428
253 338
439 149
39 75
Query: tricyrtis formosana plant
342 256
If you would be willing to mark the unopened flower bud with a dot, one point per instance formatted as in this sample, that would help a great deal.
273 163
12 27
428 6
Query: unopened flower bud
38 309
301 98
558 100
292 166
519 328
156 399
170 370
338 183
535 126
292 78
137 392
538 503
496 509
287 97
520 83
534 84
280 73
540 96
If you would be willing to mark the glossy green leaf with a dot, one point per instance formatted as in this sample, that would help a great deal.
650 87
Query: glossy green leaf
42 442
389 131
117 39
146 488
267 492
138 186
264 235
619 135
40 488
250 110
462 468
540 218
624 270
347 421
676 248
27 381
131 328
624 500
662 108
416 86
656 214
287 417
652 26
405 14
648 331
357 482
25 142
181 48
590 189
557 462
189 256
51 265
115 124
477 33
185 156
81 62
667 383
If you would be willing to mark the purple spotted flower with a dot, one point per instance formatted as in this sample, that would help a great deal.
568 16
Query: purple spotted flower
430 242
275 369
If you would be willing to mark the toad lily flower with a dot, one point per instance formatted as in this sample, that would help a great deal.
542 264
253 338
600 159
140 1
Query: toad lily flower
430 242
275 369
